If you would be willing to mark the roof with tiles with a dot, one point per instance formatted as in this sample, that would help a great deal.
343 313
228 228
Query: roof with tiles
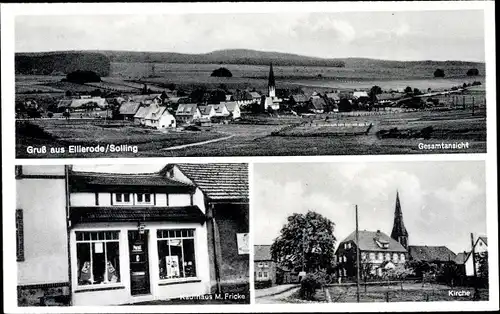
431 253
142 112
186 109
262 253
91 181
218 181
129 107
369 241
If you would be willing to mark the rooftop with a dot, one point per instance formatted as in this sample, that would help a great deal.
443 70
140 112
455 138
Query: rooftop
262 253
368 241
431 253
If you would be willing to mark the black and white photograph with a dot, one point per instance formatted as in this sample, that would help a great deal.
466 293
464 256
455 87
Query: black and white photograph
250 84
370 232
144 234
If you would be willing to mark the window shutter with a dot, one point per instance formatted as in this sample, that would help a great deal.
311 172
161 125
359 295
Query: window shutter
19 235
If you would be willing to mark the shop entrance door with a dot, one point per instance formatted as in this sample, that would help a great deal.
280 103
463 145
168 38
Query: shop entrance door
139 265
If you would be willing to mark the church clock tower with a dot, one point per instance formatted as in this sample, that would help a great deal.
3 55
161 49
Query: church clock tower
399 232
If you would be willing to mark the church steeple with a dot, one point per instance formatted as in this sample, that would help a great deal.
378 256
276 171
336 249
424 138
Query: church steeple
399 232
271 86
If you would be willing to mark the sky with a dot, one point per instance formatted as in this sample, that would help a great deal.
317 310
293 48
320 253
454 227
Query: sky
411 35
442 202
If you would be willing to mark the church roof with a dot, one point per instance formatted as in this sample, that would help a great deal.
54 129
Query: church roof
398 228
272 81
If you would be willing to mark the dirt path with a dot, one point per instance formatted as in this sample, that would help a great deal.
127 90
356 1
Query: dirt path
199 143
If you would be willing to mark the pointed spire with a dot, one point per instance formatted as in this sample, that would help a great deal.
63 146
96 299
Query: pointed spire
272 82
399 232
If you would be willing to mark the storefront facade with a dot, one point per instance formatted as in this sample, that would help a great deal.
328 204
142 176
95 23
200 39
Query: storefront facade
136 238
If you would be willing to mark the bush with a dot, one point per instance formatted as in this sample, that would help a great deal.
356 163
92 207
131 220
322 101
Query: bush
81 77
310 283
473 72
50 114
221 72
439 73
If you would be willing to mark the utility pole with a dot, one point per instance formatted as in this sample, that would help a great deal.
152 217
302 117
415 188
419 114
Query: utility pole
473 252
357 256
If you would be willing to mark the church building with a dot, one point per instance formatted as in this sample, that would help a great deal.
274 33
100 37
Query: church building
270 101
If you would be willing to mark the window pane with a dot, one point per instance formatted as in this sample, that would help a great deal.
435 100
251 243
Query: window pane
147 198
159 233
139 198
190 233
98 262
171 234
93 235
175 262
113 261
119 197
79 236
189 258
83 263
126 198
177 233
162 258
86 236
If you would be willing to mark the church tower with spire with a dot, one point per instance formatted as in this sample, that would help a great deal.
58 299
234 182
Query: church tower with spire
271 86
399 232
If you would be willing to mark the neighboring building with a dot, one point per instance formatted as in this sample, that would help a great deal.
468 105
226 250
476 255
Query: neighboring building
107 238
438 255
480 248
42 234
140 115
233 108
264 266
207 112
220 110
147 99
225 188
360 95
187 113
158 117
298 100
317 105
128 109
83 104
388 98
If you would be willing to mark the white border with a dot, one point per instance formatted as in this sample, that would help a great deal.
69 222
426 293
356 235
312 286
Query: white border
9 11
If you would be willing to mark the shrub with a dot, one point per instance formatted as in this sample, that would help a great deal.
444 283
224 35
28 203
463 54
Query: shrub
50 114
221 72
439 73
81 77
473 72
310 283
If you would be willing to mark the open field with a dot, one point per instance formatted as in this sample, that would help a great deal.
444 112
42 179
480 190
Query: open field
409 292
262 135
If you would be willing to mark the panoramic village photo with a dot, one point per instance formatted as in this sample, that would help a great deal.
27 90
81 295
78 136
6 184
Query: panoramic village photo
370 232
241 84
146 234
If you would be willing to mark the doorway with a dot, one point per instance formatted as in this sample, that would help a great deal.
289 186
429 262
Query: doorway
139 263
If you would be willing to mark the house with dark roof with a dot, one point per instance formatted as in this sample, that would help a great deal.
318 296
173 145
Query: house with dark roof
264 266
317 105
128 109
234 109
378 252
120 238
480 248
431 254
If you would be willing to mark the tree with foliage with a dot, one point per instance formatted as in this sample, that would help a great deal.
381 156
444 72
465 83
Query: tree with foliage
473 72
82 77
345 105
416 91
221 72
439 73
408 90
96 93
198 94
305 242
483 269
374 91
69 93
216 96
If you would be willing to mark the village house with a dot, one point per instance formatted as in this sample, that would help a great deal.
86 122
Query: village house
233 108
220 110
82 104
207 112
317 105
128 110
378 251
147 99
264 266
388 99
187 113
159 117
298 100
140 115
480 248
95 238
437 255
